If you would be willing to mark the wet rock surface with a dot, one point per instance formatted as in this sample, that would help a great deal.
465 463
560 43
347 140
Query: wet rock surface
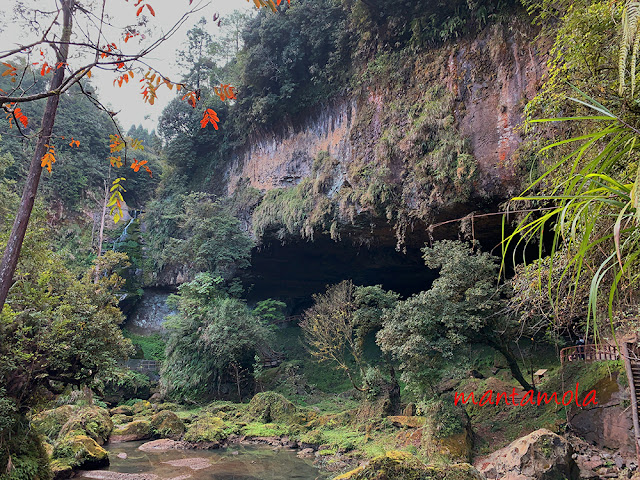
541 455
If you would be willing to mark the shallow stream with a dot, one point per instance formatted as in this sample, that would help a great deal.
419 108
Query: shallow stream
235 463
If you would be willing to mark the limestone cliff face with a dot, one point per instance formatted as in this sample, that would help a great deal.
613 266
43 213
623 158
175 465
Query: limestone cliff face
483 83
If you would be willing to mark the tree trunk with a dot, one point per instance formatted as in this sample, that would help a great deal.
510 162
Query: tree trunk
512 362
14 244
101 234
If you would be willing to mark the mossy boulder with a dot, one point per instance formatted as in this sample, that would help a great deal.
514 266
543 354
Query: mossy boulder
93 422
143 406
167 424
541 455
396 465
136 430
119 419
208 428
79 451
122 410
50 422
271 407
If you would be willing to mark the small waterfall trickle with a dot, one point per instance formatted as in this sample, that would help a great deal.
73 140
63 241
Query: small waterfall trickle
123 236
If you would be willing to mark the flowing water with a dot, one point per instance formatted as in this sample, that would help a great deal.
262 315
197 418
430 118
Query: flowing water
234 463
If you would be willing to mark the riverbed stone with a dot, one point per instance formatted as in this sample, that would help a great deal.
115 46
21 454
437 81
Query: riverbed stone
541 455
167 424
142 407
136 430
164 444
395 465
79 451
207 428
268 407
92 421
122 410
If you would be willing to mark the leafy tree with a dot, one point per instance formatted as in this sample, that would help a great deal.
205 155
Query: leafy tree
55 330
198 233
462 306
336 325
195 59
211 335
91 31
270 310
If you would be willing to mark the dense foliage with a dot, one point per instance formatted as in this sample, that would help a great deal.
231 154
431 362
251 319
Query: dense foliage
211 336
195 233
462 307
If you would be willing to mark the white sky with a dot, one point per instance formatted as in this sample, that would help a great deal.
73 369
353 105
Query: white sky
128 100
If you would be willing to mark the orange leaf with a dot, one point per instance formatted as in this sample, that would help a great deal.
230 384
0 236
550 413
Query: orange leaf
209 116
151 10
139 11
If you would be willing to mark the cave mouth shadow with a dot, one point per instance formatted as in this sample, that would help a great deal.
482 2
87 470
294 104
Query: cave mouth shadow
294 271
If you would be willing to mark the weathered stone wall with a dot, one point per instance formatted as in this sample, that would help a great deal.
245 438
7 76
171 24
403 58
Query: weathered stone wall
491 77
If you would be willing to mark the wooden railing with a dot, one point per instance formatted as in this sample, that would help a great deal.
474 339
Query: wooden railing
589 353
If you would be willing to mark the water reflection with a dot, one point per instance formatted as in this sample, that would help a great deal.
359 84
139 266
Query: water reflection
235 463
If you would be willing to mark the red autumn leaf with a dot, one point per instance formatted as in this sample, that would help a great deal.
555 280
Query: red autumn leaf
209 116
139 11
151 10
137 164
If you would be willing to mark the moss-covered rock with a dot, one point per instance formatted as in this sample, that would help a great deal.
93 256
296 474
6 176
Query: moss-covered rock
271 407
136 430
167 424
119 419
396 465
122 410
93 422
410 421
208 428
79 451
50 422
143 406
60 469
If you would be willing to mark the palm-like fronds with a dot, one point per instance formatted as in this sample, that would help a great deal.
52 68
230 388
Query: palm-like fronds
593 216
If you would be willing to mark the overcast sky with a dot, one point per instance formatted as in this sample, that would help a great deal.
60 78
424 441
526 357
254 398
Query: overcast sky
127 100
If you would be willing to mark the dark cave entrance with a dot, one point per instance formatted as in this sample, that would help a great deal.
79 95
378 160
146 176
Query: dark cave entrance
366 254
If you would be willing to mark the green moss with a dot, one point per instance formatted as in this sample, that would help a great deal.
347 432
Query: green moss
167 424
136 430
94 422
50 422
395 465
268 407
119 419
142 406
208 428
265 430
122 410
80 451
